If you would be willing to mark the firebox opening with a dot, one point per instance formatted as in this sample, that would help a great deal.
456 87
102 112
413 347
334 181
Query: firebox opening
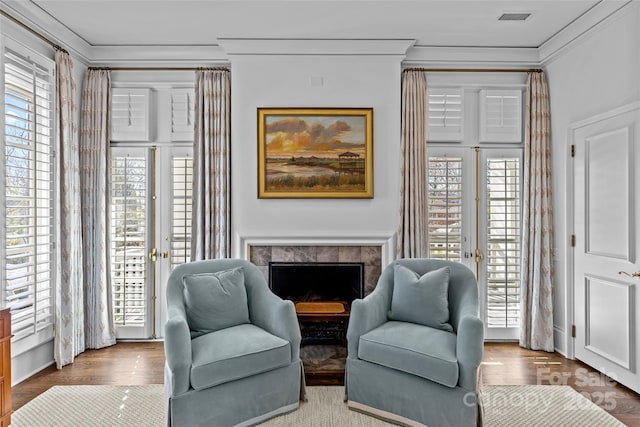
317 281
317 284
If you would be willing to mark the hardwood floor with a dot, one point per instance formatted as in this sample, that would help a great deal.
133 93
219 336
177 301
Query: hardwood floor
138 363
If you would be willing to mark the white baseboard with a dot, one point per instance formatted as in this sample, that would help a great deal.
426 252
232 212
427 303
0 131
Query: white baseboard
560 340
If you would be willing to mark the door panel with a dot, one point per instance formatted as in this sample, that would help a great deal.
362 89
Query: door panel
174 220
130 271
600 321
606 215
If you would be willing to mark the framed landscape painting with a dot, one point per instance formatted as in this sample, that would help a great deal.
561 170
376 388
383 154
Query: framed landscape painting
315 152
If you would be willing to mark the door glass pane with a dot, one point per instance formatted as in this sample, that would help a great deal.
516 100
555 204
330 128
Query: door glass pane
128 231
445 208
503 243
181 173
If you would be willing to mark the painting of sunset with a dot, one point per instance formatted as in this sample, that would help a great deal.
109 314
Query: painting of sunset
315 153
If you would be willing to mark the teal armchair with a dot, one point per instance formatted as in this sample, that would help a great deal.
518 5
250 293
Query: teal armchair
411 373
235 365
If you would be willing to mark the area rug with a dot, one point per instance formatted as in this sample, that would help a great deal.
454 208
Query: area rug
142 406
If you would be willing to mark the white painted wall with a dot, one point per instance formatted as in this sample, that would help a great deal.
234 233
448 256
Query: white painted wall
284 81
599 73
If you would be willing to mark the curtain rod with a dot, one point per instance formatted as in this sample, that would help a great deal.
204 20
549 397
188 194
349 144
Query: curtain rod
475 70
32 31
160 68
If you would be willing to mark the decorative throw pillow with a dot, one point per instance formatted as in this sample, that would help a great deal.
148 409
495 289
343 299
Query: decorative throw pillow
421 299
215 301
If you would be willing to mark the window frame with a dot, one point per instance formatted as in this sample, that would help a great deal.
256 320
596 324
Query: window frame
44 332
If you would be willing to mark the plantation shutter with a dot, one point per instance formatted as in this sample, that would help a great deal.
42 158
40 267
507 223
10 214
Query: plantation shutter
500 116
128 238
503 242
182 114
29 182
445 208
130 114
445 114
181 192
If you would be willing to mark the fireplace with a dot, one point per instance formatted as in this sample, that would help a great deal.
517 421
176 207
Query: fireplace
322 292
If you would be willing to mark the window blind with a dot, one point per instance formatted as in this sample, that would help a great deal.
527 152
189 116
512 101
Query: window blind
182 114
130 114
500 116
181 193
503 242
445 114
128 236
445 208
29 183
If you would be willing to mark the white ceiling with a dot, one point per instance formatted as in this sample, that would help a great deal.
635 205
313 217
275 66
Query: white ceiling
433 23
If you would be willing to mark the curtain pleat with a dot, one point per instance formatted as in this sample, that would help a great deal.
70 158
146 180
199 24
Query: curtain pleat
412 232
69 338
211 166
536 330
94 165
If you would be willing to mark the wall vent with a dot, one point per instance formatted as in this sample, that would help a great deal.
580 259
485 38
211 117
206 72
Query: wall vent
514 16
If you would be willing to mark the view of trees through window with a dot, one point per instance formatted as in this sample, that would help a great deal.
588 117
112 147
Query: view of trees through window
128 239
28 194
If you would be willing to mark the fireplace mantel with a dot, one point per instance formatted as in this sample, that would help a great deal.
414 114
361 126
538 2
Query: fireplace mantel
386 242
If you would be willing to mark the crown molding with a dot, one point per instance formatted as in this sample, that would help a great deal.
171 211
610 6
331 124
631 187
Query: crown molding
378 47
43 23
165 56
585 25
470 57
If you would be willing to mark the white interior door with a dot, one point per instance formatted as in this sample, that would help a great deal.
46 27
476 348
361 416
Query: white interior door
606 220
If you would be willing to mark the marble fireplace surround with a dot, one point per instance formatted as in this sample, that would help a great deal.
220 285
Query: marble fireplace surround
374 251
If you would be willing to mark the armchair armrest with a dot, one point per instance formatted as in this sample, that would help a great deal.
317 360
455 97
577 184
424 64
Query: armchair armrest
278 317
177 348
366 314
469 349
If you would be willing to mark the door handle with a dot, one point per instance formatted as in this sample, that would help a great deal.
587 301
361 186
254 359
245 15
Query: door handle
635 275
153 254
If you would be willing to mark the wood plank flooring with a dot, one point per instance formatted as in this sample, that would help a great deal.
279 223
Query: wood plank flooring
139 363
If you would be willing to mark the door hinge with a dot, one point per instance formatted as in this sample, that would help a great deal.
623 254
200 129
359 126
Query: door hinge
573 240
573 331
573 150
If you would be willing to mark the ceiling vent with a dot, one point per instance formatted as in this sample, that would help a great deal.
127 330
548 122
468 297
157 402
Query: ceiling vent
514 16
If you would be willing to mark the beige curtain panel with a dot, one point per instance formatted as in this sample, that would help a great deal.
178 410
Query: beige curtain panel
210 234
412 232
536 330
69 295
94 167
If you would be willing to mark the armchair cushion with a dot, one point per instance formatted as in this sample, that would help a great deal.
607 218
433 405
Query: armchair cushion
215 301
421 299
415 349
236 352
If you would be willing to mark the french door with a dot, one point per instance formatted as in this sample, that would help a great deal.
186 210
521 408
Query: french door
150 232
474 218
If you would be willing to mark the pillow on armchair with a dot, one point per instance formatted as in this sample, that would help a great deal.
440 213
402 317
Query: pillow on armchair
215 301
421 299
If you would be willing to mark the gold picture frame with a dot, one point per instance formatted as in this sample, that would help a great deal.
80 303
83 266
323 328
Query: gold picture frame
315 153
